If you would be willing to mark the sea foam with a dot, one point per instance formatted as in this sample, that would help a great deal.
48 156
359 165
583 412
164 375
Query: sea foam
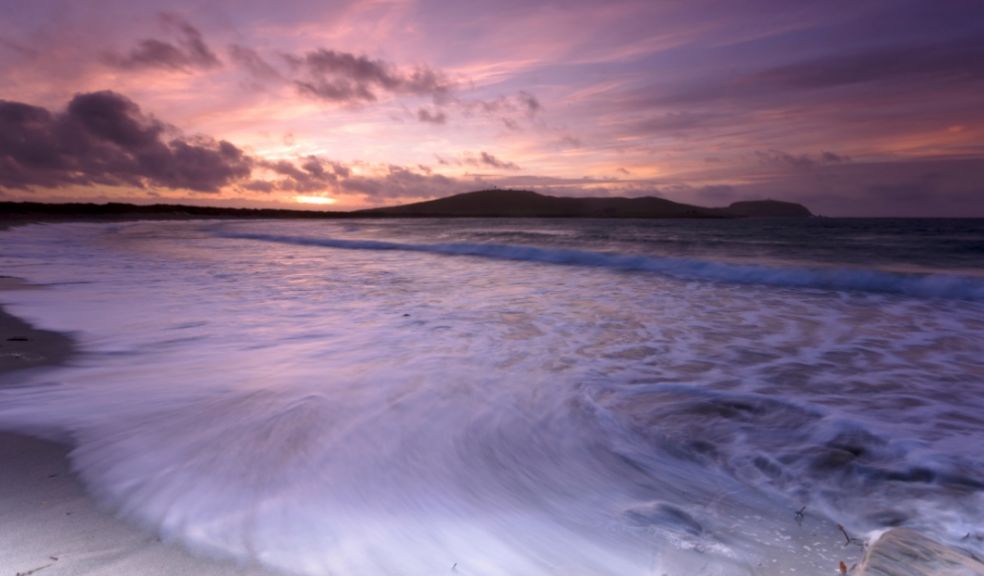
323 410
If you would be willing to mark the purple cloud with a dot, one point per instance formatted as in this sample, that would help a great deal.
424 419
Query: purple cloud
346 77
435 117
188 52
492 161
799 161
103 138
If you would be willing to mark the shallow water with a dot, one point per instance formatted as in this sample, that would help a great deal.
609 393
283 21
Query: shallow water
517 396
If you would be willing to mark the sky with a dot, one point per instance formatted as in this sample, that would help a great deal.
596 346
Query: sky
854 108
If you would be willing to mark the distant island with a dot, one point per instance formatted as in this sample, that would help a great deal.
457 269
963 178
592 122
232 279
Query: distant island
524 203
480 204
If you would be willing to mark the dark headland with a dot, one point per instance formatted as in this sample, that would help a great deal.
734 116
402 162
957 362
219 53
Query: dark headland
479 204
524 203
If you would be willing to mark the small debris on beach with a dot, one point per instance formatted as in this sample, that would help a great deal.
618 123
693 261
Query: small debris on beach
39 568
800 515
848 539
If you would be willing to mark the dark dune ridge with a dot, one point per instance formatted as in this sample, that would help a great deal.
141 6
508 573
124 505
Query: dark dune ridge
482 203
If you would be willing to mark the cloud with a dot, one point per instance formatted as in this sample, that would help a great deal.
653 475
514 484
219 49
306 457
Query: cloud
188 52
436 117
483 159
831 158
883 70
509 110
529 101
17 47
103 138
346 77
255 64
520 103
799 161
399 181
313 174
952 59
490 160
569 141
676 122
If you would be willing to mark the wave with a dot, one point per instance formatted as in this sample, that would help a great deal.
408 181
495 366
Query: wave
947 286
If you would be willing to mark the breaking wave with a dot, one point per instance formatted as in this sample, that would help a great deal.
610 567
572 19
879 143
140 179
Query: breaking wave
948 286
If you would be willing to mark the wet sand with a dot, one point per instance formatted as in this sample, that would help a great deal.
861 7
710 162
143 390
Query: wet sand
49 525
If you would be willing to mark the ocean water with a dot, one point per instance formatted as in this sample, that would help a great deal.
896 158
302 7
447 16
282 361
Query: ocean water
516 397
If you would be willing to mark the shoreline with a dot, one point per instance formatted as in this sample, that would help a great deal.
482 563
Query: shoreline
49 524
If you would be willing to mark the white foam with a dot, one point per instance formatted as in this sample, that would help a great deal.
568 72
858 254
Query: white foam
386 412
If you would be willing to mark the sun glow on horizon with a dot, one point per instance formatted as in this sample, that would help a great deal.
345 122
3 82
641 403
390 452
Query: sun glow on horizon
321 200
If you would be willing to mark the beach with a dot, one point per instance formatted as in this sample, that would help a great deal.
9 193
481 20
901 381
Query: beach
49 525
490 398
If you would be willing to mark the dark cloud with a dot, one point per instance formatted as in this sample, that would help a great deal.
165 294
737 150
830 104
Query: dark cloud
103 138
399 181
188 52
253 63
799 161
529 101
435 117
511 110
521 103
483 159
313 174
490 160
510 124
310 175
264 186
346 77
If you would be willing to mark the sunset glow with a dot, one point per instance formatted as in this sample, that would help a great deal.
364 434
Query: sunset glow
321 200
852 110
507 288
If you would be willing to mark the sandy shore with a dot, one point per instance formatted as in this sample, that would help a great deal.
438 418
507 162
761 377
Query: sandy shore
48 524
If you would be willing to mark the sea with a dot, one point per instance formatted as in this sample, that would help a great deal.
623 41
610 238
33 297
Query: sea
515 396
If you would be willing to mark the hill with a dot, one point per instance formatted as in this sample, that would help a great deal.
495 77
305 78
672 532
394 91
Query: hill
524 203
480 204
